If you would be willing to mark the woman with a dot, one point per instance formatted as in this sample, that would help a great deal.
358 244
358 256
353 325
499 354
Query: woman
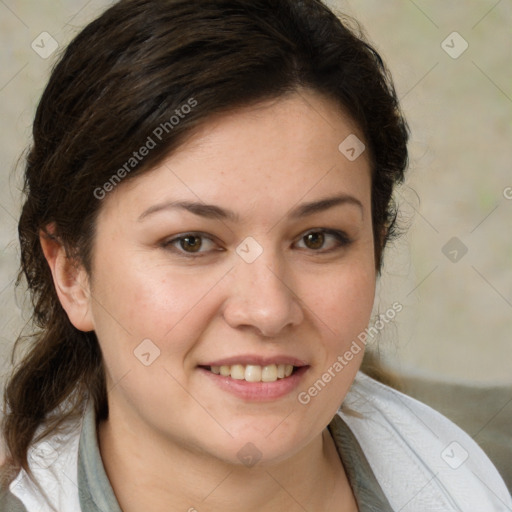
209 193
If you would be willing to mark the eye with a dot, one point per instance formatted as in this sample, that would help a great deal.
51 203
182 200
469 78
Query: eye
189 244
315 239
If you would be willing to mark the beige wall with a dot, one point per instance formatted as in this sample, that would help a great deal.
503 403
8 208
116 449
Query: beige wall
456 322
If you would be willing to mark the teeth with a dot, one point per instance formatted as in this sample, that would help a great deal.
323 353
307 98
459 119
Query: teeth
269 373
237 372
254 373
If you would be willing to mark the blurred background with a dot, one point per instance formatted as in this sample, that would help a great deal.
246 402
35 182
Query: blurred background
451 271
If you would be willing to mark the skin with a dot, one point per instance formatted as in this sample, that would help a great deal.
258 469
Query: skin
172 436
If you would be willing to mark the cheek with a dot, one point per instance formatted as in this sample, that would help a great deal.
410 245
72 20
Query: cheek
342 308
342 301
135 299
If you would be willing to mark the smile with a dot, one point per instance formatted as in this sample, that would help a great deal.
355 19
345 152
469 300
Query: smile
256 377
253 372
256 383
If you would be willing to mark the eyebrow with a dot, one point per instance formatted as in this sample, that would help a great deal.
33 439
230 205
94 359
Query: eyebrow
212 211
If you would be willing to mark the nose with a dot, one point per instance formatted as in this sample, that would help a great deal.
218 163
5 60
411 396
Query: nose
261 299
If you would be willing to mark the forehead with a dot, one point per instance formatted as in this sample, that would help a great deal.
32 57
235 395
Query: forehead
261 158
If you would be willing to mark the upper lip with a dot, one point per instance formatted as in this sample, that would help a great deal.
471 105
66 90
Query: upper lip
258 360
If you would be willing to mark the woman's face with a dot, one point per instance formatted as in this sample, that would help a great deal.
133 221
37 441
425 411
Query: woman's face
275 266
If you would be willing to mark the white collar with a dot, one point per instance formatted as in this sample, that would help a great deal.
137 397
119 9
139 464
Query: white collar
422 460
415 452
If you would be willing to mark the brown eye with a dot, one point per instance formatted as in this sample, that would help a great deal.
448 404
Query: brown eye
193 245
314 240
191 242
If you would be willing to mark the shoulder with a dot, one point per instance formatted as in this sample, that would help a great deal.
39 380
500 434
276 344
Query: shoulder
422 460
53 463
9 502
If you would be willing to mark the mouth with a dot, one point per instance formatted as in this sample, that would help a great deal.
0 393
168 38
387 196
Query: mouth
253 372
254 378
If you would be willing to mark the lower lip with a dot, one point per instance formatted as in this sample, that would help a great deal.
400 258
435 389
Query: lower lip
258 391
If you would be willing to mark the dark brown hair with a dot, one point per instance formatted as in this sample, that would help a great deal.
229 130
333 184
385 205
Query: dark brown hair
123 76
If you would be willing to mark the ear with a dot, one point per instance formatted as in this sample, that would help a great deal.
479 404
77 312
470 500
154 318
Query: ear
70 280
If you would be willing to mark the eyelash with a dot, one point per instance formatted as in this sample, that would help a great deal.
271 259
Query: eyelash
341 237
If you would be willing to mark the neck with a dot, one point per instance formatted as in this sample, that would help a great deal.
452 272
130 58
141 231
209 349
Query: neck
147 474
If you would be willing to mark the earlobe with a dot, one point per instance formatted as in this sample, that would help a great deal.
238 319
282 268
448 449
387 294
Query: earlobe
70 280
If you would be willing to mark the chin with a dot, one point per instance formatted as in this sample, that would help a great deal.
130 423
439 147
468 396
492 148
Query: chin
265 443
